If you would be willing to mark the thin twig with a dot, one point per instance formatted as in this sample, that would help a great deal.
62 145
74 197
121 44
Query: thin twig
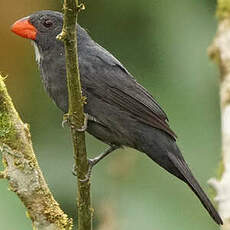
76 113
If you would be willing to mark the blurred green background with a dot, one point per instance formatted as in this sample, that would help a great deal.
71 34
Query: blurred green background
163 43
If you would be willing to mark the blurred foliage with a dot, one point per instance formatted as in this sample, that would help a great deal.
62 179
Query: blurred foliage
163 43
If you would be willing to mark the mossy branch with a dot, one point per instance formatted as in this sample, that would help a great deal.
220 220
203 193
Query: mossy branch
219 51
23 172
223 9
76 115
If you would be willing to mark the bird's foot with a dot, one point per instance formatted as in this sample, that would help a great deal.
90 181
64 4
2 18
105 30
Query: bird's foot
67 120
85 125
74 170
94 161
91 163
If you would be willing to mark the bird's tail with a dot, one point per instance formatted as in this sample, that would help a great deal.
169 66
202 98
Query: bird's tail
188 178
162 149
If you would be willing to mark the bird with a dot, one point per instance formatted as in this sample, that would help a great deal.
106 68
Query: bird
120 112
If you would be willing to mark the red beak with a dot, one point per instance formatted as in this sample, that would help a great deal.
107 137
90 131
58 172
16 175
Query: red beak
24 29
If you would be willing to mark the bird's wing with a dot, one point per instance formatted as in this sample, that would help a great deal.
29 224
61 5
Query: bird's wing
140 107
115 85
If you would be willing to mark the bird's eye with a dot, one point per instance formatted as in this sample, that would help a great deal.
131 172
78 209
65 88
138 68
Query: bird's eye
47 23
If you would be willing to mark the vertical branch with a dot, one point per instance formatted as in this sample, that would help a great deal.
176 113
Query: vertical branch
220 52
76 113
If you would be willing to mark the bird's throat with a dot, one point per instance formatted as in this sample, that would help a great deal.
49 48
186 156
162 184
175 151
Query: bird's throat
37 53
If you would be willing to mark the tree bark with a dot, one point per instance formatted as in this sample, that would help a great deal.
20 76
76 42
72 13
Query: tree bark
219 51
23 172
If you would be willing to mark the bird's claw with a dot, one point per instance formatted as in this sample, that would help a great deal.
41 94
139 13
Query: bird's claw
91 163
67 120
94 161
74 171
85 125
63 123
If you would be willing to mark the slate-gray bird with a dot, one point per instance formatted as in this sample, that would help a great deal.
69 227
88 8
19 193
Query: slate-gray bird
120 111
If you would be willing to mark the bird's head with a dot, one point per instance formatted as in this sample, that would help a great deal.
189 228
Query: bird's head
42 27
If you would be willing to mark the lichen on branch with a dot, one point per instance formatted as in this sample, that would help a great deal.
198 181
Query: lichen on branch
22 169
223 9
219 51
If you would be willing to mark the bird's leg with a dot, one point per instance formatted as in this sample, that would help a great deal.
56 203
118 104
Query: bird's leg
67 119
94 161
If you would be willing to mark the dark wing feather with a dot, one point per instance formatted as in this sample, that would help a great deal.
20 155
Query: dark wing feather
139 109
115 85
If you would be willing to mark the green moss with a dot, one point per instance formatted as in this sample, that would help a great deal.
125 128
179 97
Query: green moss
220 170
6 129
223 9
8 133
5 125
9 124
